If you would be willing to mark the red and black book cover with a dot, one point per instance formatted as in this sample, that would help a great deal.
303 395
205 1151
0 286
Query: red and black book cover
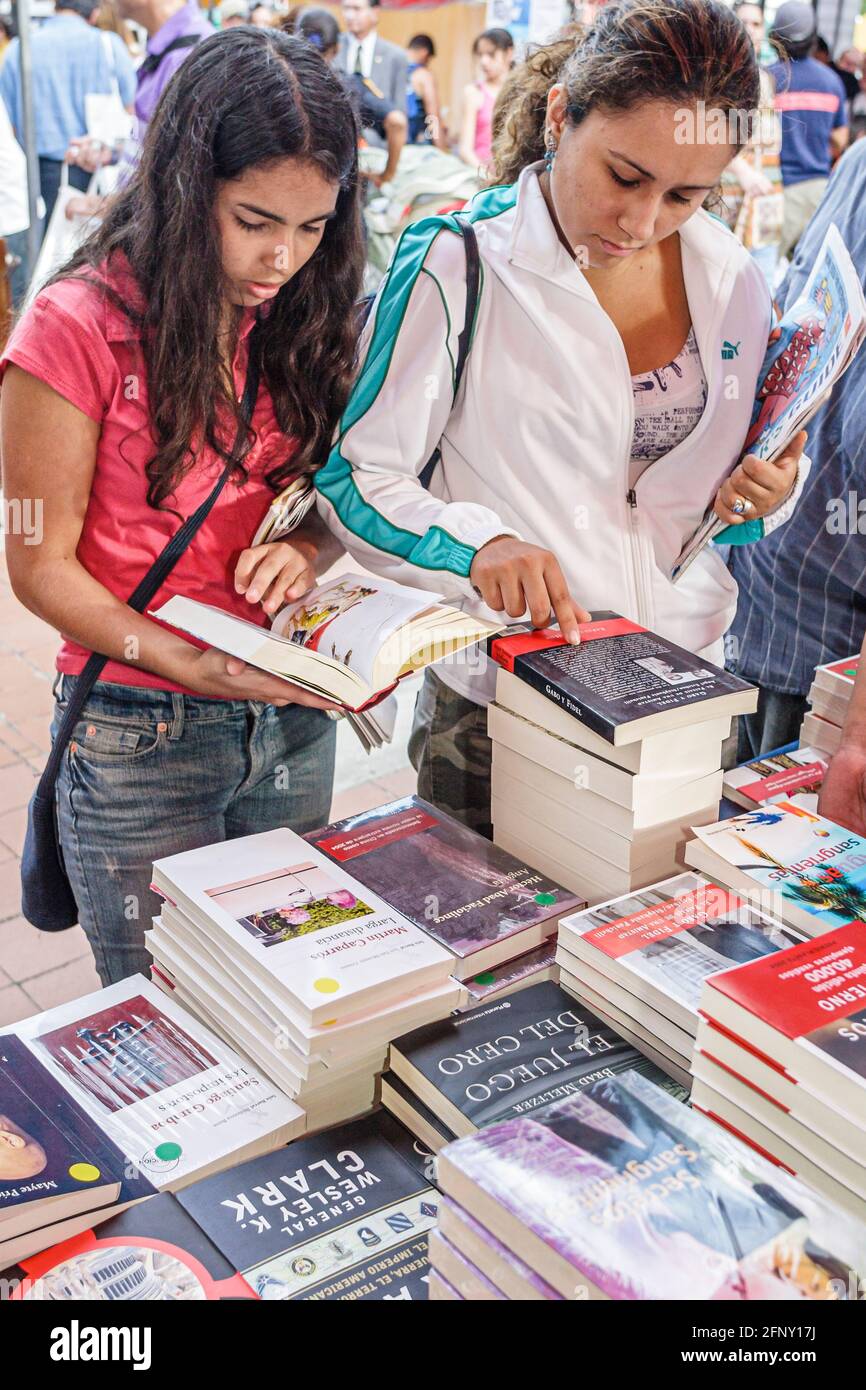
154 1252
619 673
813 993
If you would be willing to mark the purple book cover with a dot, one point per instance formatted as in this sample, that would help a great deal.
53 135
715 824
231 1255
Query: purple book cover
460 888
498 1251
646 1199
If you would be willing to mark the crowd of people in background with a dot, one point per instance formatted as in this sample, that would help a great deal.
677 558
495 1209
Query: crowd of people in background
98 61
238 234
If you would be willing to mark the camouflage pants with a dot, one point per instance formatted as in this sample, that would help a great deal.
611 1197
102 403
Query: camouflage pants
450 750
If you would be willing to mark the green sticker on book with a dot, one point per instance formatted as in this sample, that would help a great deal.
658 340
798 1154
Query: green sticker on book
168 1151
488 978
545 899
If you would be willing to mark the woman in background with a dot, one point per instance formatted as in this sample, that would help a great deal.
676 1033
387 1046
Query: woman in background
422 97
494 52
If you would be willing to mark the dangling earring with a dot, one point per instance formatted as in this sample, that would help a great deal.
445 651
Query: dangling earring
550 154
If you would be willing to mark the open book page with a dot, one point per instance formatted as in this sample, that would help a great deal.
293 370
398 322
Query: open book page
351 617
820 335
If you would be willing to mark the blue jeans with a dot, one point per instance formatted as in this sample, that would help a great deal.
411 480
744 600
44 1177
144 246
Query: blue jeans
149 773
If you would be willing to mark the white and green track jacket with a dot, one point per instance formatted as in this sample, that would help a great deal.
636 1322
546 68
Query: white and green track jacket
538 440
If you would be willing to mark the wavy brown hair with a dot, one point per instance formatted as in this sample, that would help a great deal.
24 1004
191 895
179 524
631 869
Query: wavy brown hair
681 51
242 99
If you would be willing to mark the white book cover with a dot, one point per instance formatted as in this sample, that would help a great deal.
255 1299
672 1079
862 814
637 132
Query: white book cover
303 923
172 1096
671 936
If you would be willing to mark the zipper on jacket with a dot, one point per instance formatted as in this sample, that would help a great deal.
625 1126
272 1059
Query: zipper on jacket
641 583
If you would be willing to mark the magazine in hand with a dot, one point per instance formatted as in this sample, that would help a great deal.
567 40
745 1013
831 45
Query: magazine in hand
820 335
350 640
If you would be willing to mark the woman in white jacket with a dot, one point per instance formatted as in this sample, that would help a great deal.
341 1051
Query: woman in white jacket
617 342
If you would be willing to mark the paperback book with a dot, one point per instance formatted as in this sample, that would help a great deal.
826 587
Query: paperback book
174 1099
479 902
801 867
795 777
301 925
819 336
619 1192
623 681
152 1253
512 1057
339 1216
351 639
661 944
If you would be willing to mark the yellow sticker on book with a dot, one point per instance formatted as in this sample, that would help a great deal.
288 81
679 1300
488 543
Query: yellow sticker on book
84 1172
326 985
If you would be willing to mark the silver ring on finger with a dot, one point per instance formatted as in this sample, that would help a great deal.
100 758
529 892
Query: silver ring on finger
741 506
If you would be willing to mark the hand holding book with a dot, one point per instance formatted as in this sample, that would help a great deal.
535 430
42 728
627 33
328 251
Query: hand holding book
763 484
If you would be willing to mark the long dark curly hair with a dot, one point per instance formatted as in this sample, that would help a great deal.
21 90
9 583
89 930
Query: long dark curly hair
242 99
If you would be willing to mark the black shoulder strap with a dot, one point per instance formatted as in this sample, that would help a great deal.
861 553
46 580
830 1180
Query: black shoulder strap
158 572
464 341
153 60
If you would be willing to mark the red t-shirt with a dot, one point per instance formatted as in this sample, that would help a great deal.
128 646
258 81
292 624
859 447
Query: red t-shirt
74 339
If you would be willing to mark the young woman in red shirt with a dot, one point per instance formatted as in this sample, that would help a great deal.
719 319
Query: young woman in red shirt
120 406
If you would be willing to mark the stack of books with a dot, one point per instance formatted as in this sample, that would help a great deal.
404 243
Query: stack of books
605 754
342 1216
495 916
279 948
523 1052
781 1059
829 694
141 1090
619 1192
639 962
791 862
58 1172
795 777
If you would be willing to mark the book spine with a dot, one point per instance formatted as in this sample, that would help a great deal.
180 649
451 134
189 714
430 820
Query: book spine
553 692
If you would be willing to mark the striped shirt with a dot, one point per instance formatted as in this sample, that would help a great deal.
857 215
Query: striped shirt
803 589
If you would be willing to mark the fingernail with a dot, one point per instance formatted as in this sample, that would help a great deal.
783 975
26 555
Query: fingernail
253 595
573 636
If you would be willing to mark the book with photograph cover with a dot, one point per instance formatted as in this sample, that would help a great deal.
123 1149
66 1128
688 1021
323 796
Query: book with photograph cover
475 899
795 776
151 1253
338 1216
661 943
171 1095
619 1192
298 921
53 1162
622 681
799 865
351 639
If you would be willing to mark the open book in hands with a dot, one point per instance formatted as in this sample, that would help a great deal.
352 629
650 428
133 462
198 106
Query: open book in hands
820 335
350 640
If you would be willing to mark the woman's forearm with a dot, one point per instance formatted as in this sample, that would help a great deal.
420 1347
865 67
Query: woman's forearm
70 600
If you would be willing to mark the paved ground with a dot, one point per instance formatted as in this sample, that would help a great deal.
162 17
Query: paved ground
38 969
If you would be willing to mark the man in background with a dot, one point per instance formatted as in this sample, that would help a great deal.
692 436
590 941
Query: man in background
810 98
70 59
173 28
382 65
802 598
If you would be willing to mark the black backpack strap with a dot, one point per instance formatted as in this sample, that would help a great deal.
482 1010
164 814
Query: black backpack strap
464 341
156 575
152 61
